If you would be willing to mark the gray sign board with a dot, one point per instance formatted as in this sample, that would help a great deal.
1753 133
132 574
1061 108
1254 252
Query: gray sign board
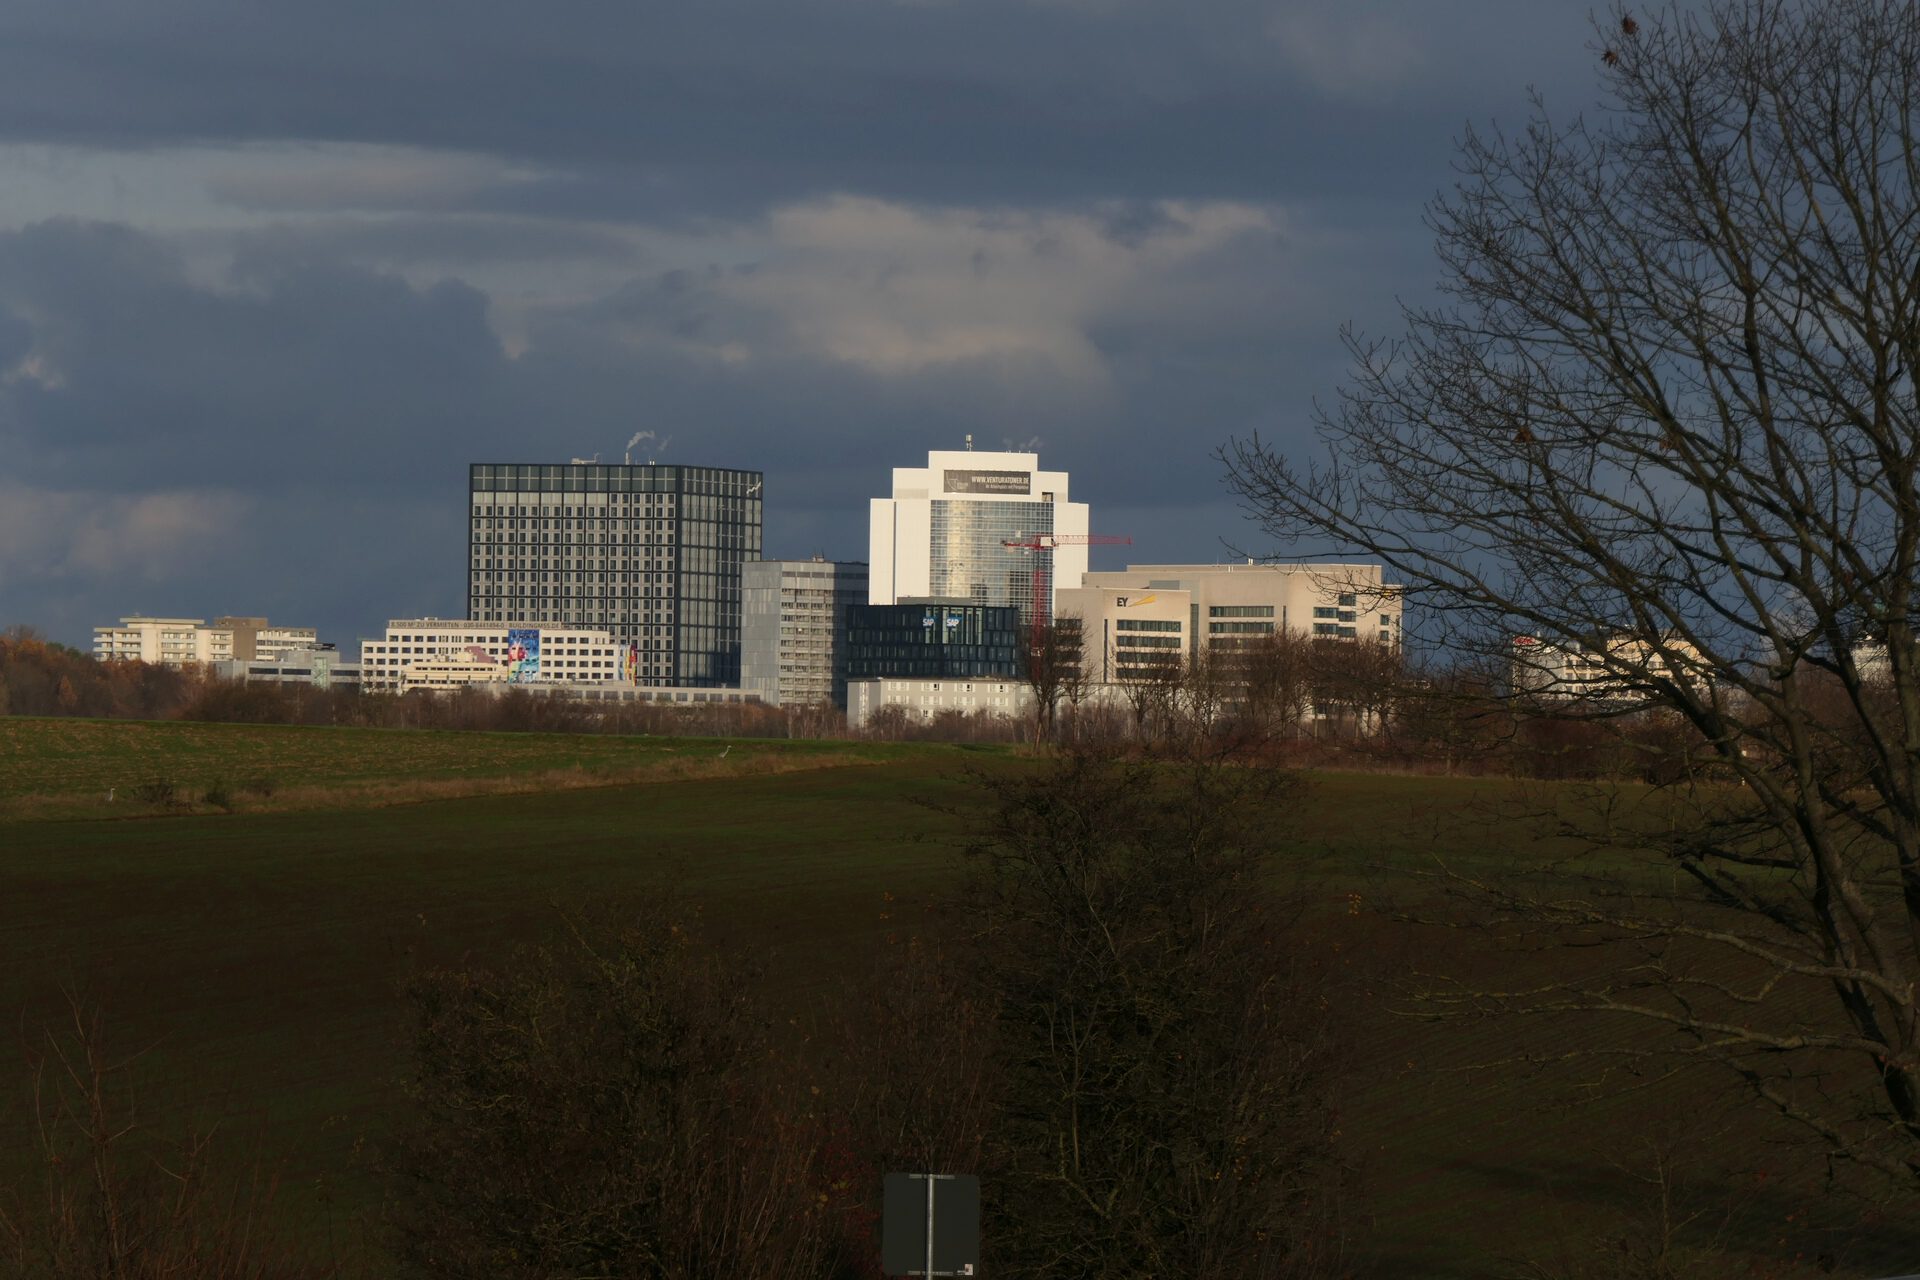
1020 482
956 1224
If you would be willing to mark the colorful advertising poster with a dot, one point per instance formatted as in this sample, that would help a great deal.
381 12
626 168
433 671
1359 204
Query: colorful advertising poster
523 655
633 662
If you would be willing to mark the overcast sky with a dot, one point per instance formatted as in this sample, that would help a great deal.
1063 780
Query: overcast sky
272 275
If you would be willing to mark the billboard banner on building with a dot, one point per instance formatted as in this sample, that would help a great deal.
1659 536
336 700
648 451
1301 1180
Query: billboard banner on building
523 655
1004 482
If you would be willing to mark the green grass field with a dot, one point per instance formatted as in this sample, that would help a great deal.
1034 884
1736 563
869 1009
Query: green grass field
95 768
256 956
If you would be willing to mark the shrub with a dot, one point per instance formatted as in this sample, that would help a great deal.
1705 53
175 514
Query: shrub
161 793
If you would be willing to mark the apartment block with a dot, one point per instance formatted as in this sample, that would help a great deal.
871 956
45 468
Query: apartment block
179 642
793 629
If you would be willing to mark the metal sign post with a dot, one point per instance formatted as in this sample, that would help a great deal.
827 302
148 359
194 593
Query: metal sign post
932 1229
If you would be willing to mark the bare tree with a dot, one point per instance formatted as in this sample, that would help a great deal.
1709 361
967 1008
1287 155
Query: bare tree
1163 1057
1278 682
1151 692
1354 685
1055 672
1664 424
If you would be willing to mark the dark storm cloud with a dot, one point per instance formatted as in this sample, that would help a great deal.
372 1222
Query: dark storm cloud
730 104
143 376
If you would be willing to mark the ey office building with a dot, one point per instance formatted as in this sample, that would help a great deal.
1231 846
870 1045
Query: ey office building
649 554
941 534
1130 634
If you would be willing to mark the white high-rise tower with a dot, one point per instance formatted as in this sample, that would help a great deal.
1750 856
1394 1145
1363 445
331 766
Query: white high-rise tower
943 531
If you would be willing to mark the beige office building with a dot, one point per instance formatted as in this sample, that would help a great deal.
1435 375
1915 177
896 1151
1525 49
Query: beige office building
1129 634
1232 604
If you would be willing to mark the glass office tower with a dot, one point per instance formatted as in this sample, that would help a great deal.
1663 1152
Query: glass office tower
651 554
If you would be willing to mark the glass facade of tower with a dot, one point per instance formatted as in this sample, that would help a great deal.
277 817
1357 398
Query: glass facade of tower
650 553
971 562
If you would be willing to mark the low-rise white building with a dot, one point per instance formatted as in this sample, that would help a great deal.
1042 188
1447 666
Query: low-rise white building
926 700
321 668
442 653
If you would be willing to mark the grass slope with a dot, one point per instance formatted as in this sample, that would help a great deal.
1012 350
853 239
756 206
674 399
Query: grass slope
258 954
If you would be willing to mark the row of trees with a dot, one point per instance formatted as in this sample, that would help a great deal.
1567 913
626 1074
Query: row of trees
1282 686
41 678
1282 697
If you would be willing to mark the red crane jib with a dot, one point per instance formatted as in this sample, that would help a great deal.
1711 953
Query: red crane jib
1038 611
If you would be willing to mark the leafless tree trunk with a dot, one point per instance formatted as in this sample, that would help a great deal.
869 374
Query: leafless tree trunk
1664 425
1055 672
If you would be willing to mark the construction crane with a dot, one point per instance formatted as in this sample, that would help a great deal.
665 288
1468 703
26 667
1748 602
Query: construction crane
1043 572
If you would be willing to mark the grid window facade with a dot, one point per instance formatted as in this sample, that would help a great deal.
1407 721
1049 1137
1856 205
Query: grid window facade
941 641
651 554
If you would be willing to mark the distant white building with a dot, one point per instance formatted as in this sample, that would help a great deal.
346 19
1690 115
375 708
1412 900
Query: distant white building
926 700
942 532
441 653
1615 672
179 642
793 649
